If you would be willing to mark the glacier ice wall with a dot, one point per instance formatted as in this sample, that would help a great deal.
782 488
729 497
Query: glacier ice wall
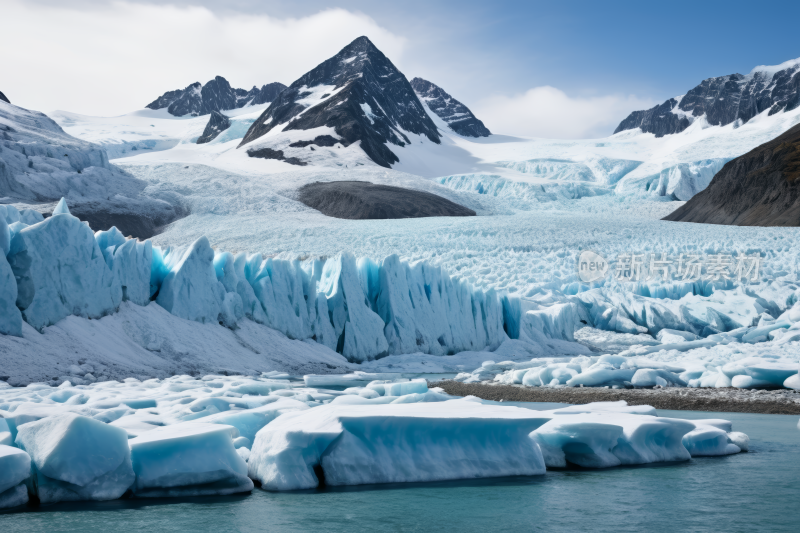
60 271
361 308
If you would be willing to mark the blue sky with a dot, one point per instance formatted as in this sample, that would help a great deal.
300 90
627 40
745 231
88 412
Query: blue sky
605 58
657 49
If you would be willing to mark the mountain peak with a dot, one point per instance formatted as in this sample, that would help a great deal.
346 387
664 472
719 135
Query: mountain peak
360 94
361 44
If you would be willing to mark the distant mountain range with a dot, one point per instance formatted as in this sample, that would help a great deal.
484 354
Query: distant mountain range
723 100
215 95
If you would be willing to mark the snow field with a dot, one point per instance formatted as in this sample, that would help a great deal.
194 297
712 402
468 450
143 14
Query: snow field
183 436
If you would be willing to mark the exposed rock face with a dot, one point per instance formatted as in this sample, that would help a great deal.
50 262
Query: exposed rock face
4 98
454 113
217 123
362 200
216 95
361 95
269 153
760 188
659 120
319 140
267 93
723 100
168 97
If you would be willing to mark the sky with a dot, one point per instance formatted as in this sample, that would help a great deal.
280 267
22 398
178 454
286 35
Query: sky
556 69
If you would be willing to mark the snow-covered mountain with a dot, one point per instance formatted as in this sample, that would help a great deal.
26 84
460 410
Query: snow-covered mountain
40 163
457 116
724 100
215 95
4 98
358 95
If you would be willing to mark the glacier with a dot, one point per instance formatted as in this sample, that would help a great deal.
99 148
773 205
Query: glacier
255 289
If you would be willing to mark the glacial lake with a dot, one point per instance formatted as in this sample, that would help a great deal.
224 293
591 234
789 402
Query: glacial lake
755 491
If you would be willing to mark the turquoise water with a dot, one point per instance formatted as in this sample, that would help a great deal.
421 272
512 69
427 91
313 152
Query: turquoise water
756 491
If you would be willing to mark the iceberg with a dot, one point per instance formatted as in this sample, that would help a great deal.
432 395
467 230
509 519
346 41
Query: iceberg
601 440
188 459
713 437
183 436
361 444
250 421
76 458
15 467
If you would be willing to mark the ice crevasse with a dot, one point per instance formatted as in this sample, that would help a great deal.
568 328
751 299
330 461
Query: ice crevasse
361 308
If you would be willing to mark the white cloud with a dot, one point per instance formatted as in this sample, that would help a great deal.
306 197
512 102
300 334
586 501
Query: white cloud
550 113
114 58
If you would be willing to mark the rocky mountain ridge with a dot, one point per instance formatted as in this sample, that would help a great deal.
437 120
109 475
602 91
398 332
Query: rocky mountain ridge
723 100
457 116
215 95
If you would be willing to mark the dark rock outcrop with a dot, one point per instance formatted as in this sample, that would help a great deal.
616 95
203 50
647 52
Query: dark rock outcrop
189 102
457 115
319 140
269 153
362 200
268 93
723 100
167 98
4 98
365 99
659 120
216 95
759 188
217 123
142 225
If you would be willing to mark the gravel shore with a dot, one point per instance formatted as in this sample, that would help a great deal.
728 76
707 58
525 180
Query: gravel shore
776 402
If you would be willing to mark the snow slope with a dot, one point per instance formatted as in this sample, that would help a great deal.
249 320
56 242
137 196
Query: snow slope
147 130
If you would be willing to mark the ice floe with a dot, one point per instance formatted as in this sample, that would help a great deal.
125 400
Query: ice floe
184 436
